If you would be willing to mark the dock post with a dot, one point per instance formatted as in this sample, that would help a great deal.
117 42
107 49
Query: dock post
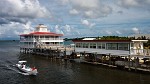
20 49
95 56
65 53
57 53
25 50
74 48
84 56
136 63
50 52
129 62
109 58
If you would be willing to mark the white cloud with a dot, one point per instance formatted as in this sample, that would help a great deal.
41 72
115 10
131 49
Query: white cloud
87 23
16 32
14 29
128 3
27 26
64 2
73 12
120 12
135 30
88 8
108 32
140 4
86 4
67 28
21 10
16 16
118 32
58 30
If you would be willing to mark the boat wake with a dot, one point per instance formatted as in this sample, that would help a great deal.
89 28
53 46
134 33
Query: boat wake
13 68
23 73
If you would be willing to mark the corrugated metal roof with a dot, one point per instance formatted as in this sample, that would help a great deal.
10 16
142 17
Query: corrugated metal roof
103 51
101 40
88 38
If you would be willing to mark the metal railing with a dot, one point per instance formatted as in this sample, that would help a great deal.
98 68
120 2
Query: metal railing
33 39
145 52
42 46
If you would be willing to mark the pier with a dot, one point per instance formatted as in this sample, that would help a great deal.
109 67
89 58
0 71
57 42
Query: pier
43 42
93 57
123 62
50 52
122 53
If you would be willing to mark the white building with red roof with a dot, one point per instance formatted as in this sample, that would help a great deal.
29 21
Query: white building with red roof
41 37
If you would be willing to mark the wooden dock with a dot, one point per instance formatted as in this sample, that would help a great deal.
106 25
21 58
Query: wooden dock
107 60
97 63
126 68
52 52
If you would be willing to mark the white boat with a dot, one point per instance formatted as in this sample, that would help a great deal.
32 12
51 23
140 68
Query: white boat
22 66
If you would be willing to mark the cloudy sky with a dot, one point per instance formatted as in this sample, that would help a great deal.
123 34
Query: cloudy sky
75 18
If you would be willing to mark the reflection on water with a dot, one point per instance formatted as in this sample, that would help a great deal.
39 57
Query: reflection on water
52 71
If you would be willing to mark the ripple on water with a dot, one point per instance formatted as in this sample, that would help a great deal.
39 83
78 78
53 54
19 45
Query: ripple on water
60 72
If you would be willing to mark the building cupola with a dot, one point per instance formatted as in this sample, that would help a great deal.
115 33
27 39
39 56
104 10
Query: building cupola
41 28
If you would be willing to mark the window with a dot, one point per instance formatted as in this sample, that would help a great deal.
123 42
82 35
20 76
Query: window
108 46
92 45
85 45
103 45
132 44
123 46
99 45
112 46
46 37
78 45
41 37
61 43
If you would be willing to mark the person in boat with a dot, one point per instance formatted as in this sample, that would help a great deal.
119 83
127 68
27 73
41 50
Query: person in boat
22 65
33 68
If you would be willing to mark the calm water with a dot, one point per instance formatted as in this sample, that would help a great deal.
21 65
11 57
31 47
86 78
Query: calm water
59 71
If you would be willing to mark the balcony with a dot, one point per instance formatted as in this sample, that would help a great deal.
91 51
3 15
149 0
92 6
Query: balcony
40 45
145 52
41 40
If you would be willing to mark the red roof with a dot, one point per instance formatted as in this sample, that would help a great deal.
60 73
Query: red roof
42 34
101 40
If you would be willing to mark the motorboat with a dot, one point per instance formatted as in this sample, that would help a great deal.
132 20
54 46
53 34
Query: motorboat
22 66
